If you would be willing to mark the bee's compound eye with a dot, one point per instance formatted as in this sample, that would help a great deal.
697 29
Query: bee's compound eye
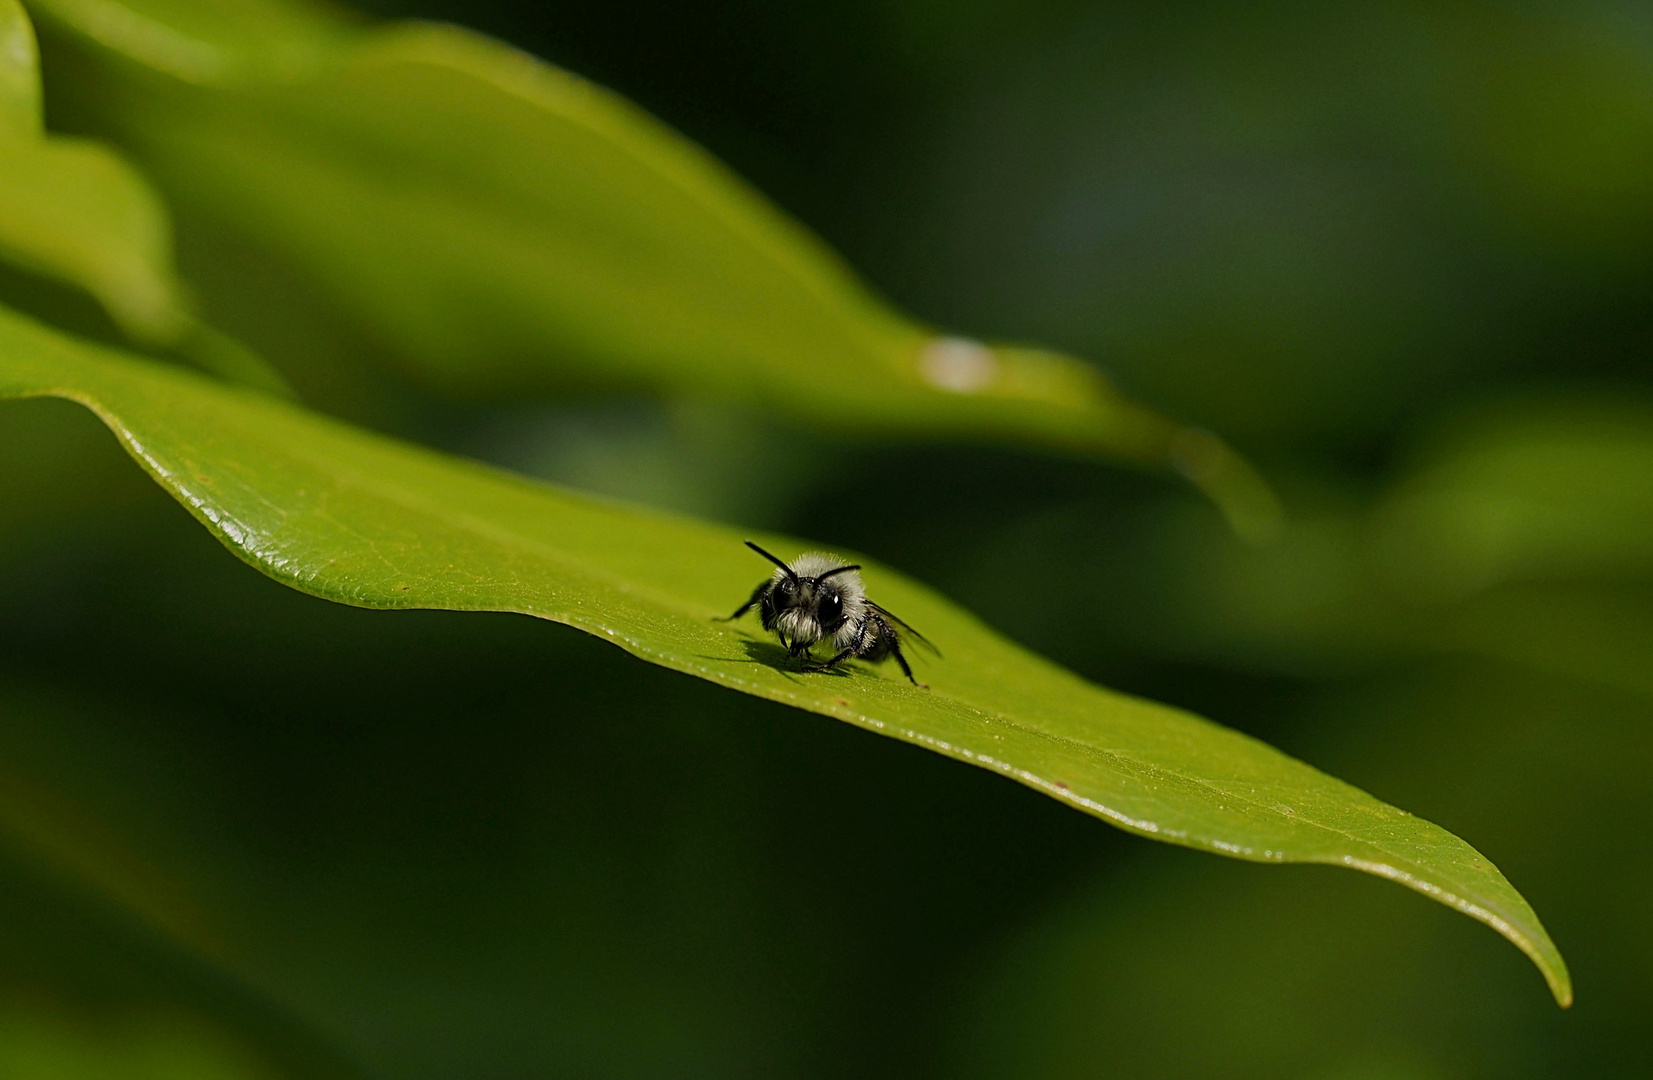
832 610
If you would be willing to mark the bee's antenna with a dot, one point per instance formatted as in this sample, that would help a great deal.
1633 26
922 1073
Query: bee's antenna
789 571
835 570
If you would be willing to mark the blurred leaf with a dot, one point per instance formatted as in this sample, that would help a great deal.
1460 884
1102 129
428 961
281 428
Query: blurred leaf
1526 533
77 212
1518 529
359 519
504 225
1528 491
19 73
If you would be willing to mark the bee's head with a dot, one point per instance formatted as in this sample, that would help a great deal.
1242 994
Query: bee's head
814 595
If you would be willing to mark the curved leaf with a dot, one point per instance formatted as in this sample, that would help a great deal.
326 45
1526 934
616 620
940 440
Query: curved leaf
363 520
19 73
76 211
504 224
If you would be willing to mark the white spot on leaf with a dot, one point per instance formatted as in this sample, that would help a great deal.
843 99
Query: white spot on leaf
958 365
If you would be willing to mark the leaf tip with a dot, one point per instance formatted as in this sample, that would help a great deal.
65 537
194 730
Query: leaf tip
1554 970
1541 951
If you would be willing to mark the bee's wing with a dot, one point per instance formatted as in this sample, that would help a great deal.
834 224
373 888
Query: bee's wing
899 621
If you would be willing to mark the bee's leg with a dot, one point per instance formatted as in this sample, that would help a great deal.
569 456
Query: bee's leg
757 594
895 651
834 662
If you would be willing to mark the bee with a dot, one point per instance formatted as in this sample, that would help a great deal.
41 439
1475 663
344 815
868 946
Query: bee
816 598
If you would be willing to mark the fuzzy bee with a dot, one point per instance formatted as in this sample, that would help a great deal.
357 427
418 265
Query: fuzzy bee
817 598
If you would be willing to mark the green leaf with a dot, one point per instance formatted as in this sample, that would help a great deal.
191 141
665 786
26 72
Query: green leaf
1526 532
505 225
76 211
360 519
19 73
1521 529
1523 491
73 210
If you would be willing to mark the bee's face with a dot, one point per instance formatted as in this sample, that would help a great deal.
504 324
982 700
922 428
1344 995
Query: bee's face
821 601
818 597
795 605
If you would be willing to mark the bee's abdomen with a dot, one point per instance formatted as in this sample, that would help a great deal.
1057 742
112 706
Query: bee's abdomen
871 640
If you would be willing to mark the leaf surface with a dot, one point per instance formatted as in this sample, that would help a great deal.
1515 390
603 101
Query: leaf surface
19 73
74 210
504 225
360 519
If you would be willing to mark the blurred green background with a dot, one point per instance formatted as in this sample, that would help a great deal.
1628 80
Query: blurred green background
1400 254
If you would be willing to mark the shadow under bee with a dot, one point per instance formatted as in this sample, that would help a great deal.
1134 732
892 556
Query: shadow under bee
772 655
768 654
